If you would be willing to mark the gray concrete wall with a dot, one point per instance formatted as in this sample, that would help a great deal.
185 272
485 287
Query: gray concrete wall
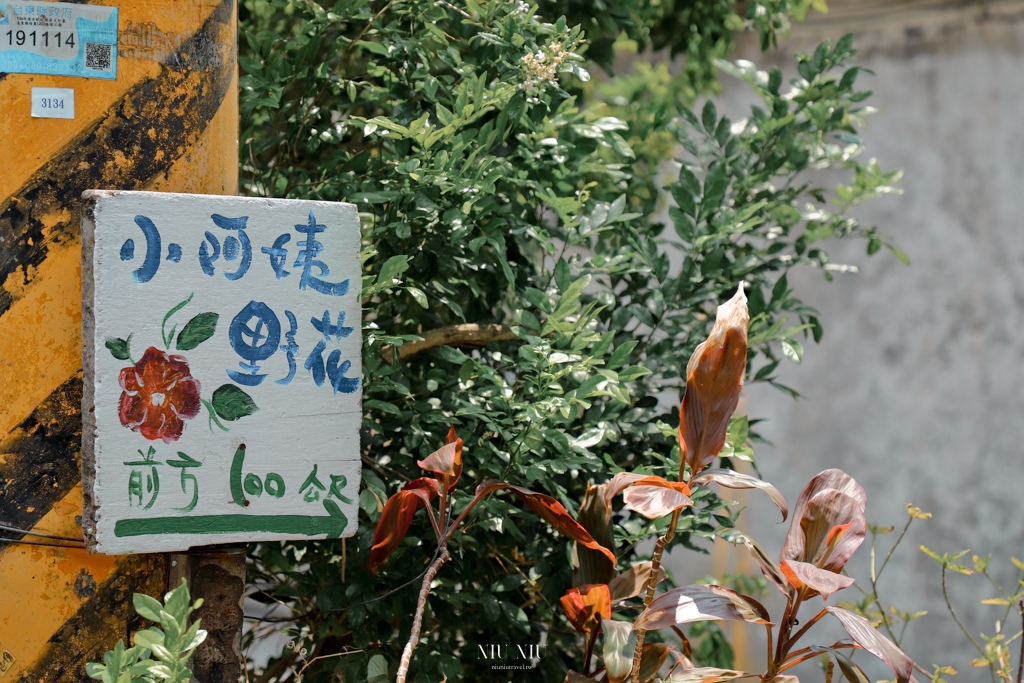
917 389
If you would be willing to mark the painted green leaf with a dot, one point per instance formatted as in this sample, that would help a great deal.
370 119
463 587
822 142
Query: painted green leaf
119 348
231 403
197 330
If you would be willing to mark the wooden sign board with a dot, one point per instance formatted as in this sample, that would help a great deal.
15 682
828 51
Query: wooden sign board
221 351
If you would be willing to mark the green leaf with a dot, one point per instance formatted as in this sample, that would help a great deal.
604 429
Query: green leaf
391 271
621 354
709 117
419 296
573 292
375 48
377 669
197 330
231 403
382 405
904 259
119 348
633 372
150 637
147 607
792 349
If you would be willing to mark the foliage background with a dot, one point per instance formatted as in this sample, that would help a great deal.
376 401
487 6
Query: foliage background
499 183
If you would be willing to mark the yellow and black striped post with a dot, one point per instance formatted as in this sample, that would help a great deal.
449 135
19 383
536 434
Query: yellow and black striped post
169 122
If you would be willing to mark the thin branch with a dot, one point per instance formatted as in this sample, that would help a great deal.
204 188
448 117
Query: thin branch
652 584
417 622
808 625
467 334
892 550
949 606
1020 661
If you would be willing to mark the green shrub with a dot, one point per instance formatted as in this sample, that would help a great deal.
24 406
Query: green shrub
500 187
161 652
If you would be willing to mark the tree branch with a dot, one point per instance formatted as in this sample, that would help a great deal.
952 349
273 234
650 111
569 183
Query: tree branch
417 622
468 334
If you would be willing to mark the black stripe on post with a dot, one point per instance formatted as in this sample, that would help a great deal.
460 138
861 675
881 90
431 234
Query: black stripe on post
42 459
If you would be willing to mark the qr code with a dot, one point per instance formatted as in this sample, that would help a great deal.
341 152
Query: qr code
97 56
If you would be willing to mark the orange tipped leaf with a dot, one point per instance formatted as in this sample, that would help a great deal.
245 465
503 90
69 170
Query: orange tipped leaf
714 378
550 510
397 516
586 606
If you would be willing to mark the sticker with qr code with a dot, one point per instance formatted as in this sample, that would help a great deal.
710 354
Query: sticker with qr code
58 38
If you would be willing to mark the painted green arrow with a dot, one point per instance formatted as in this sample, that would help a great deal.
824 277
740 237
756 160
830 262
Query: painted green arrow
333 526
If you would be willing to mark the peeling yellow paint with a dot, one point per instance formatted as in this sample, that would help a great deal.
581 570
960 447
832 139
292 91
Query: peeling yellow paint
41 336
33 574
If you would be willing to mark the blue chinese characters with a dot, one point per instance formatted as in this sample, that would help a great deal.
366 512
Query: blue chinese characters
257 332
254 334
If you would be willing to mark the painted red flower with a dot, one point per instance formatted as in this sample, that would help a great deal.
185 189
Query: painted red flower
159 393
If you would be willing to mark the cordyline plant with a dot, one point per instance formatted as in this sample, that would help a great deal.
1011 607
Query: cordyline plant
446 464
828 526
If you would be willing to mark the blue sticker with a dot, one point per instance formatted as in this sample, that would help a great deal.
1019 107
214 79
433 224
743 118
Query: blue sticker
58 38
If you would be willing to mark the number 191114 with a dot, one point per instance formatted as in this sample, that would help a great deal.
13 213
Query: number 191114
36 39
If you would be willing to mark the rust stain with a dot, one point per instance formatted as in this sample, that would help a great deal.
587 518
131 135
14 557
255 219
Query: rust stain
85 585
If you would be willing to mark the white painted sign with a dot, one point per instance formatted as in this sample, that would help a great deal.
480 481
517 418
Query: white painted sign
221 347
53 103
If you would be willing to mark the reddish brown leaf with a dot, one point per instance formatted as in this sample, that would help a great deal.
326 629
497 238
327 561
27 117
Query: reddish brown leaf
851 672
768 568
865 635
707 674
700 603
651 659
446 461
631 582
550 510
736 480
586 606
655 497
596 517
397 515
619 482
828 522
573 677
714 377
819 581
